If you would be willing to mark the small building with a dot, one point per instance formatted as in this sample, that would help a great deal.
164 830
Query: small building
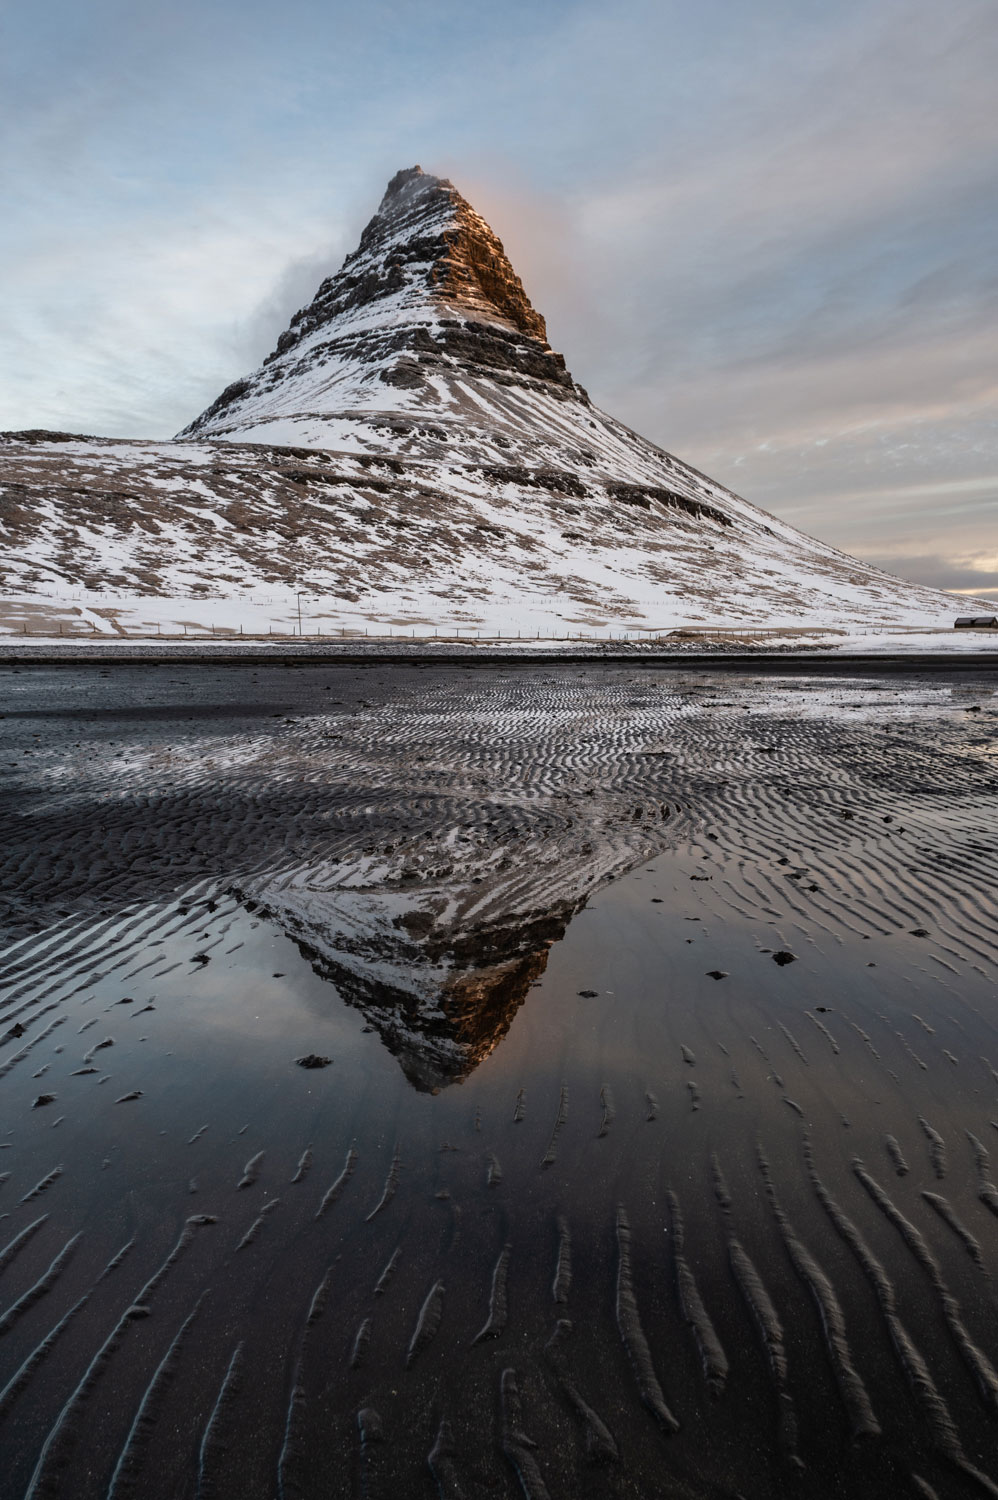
976 622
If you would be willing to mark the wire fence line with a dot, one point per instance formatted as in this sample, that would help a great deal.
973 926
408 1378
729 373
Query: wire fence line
466 634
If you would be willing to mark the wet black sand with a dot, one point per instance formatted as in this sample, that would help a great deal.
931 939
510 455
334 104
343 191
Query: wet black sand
577 1219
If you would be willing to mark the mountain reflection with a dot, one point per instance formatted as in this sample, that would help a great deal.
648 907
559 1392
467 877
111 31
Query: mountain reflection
441 1007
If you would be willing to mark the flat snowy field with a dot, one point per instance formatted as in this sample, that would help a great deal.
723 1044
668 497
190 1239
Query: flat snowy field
543 619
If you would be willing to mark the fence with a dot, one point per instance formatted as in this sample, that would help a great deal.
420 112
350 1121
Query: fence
467 635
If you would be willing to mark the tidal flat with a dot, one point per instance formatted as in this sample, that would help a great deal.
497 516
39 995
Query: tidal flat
549 1081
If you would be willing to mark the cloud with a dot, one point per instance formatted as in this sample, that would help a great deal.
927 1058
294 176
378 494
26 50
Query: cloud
942 572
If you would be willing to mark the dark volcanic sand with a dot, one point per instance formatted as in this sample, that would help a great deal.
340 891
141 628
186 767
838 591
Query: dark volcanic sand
688 1235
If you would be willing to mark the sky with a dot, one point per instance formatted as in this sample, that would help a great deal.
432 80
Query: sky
763 234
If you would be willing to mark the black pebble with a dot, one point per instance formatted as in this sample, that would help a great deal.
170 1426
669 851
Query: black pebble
716 974
313 1060
588 994
784 956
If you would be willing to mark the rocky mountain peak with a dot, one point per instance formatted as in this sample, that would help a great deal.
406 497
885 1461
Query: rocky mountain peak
404 179
428 235
470 269
428 291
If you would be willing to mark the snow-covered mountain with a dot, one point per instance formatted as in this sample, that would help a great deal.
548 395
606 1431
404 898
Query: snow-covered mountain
412 454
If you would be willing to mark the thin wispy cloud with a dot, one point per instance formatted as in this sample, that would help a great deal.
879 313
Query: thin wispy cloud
765 236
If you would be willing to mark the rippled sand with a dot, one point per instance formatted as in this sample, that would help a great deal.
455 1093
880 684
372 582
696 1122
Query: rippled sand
656 1149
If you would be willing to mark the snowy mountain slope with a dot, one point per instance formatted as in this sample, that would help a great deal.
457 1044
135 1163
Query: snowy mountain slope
414 453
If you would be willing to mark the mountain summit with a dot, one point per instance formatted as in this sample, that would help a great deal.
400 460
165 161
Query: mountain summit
414 455
426 304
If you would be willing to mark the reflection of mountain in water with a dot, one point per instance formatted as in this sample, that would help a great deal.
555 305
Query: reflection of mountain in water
475 1009
441 998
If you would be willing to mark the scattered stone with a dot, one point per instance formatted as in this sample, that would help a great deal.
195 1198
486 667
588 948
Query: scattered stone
919 932
127 1098
43 1099
784 956
313 1060
717 974
588 994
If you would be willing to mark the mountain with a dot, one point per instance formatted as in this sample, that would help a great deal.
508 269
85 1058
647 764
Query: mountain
427 319
412 454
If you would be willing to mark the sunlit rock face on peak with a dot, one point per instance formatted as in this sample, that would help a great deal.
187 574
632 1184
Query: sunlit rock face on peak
426 303
427 247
